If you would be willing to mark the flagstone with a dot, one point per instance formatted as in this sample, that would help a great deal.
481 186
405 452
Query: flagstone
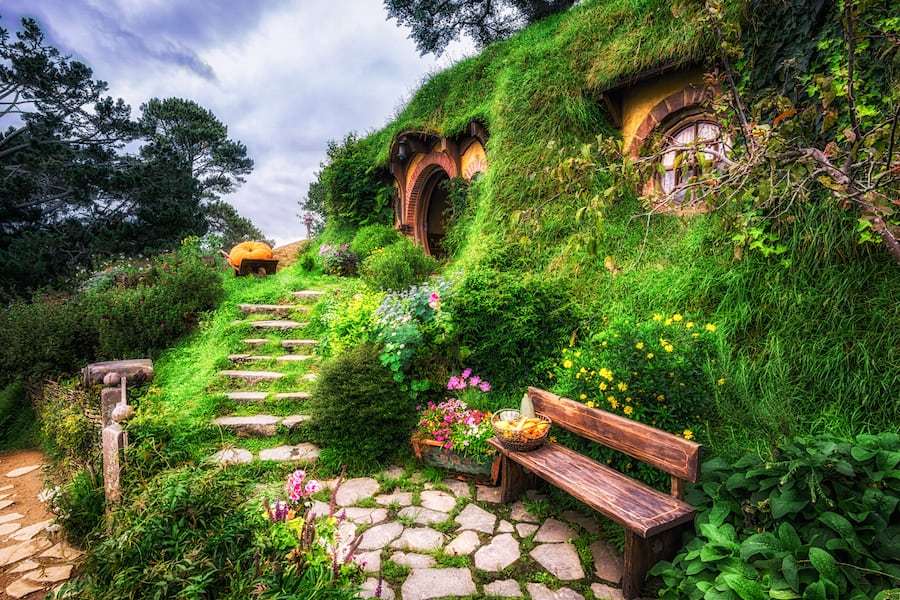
554 532
459 488
518 512
560 559
400 498
52 574
419 538
525 529
464 544
487 494
589 524
608 564
354 490
476 518
365 516
605 592
11 517
8 528
369 561
370 588
62 551
499 554
437 500
25 566
231 456
23 471
22 588
6 503
413 560
380 536
505 588
505 527
425 584
26 533
422 516
539 591
15 553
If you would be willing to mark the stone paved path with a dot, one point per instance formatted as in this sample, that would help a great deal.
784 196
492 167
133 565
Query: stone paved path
33 561
488 550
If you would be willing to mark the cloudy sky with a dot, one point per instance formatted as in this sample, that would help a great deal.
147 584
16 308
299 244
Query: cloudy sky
285 76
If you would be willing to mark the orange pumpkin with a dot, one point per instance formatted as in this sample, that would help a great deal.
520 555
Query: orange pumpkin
251 250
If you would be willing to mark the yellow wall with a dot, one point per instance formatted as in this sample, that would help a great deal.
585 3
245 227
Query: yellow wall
474 155
640 100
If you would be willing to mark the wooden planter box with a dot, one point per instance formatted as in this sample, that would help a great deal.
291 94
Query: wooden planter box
484 470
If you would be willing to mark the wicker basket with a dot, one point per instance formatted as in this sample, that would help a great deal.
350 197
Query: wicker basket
522 440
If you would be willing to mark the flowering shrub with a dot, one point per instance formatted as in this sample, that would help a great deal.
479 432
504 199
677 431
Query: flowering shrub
338 260
404 320
459 428
659 372
320 545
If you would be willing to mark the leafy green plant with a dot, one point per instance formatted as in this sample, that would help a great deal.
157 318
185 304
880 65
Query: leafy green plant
817 520
80 506
507 323
347 318
358 410
656 371
371 237
17 417
397 267
338 260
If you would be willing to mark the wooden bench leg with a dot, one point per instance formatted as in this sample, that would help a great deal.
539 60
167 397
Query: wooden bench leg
512 480
641 554
637 559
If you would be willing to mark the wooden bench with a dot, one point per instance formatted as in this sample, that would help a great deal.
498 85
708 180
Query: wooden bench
653 521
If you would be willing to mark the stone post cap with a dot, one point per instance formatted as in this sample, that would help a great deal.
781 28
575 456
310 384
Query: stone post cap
136 371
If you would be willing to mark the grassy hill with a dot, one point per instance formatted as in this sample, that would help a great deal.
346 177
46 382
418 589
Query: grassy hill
807 340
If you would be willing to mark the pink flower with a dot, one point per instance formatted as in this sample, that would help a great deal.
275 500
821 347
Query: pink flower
485 386
295 484
452 384
312 486
474 380
435 301
465 374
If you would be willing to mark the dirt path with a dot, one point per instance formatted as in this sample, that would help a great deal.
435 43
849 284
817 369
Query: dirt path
33 561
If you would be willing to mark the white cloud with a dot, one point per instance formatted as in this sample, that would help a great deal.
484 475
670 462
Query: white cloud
285 76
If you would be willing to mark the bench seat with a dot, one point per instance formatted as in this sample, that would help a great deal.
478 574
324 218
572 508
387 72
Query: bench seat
630 503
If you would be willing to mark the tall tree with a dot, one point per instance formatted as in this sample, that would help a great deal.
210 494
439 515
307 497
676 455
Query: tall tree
436 23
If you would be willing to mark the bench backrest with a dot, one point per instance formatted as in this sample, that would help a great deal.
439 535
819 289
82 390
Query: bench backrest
675 455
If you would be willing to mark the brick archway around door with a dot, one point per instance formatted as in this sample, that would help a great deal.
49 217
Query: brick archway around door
417 205
416 156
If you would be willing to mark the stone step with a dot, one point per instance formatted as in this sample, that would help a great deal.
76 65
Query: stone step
247 397
293 396
308 294
291 344
258 425
251 375
271 309
276 324
256 342
303 452
244 397
244 357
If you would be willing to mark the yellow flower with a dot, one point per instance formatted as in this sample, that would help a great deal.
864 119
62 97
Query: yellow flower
657 317
668 347
650 355
590 404
689 325
628 410
676 317
710 327
622 386
583 397
687 434
668 322
696 335
582 370
721 382
567 363
639 345
606 374
578 353
613 402
602 385
628 399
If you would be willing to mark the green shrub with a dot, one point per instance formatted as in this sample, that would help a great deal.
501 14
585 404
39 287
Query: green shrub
509 324
186 535
397 267
817 520
372 237
80 508
17 422
70 428
55 335
347 319
358 410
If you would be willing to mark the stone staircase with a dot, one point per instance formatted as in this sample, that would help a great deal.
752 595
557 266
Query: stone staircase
266 403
